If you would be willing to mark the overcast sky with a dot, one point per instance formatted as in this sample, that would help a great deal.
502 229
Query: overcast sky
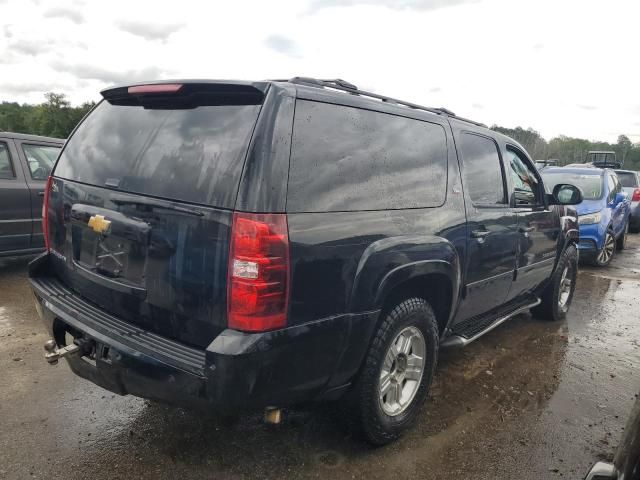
560 66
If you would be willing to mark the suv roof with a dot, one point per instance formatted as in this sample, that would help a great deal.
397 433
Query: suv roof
33 138
337 87
586 170
340 85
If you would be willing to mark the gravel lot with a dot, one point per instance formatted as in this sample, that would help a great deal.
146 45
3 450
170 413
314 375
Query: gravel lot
531 399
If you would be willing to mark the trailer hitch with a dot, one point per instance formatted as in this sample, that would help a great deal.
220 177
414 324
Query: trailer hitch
54 353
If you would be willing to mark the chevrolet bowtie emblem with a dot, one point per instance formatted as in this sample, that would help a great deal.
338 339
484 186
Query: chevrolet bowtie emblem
98 224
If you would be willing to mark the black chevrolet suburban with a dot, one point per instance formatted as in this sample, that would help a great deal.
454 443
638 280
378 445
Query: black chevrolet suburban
244 245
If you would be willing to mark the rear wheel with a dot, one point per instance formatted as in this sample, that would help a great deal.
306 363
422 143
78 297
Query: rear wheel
605 254
397 372
557 297
622 239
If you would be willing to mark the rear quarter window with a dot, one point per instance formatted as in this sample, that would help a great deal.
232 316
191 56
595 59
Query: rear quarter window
627 179
192 154
350 159
6 169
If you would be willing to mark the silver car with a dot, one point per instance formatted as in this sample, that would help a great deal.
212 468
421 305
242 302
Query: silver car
631 183
626 462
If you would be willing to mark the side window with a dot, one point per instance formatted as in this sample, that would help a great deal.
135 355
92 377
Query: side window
483 176
349 159
6 169
527 190
40 159
612 188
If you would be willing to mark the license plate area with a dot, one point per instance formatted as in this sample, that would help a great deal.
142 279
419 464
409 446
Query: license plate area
110 256
109 243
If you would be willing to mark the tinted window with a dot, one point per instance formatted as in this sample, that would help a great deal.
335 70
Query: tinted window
193 154
345 158
590 184
525 183
6 170
482 170
40 159
628 179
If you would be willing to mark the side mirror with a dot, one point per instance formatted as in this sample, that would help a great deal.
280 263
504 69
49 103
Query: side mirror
565 194
620 197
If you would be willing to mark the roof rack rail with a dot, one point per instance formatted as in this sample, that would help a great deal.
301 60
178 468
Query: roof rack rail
343 85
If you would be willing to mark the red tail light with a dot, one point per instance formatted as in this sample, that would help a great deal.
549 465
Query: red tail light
257 294
636 195
45 213
155 88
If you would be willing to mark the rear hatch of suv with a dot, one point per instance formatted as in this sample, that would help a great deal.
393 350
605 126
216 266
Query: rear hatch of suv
140 203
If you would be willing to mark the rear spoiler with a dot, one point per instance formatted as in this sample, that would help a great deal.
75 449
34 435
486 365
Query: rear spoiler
186 93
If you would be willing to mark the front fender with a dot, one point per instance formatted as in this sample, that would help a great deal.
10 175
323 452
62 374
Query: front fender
389 262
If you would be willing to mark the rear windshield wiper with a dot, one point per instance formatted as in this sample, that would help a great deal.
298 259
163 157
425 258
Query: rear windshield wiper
152 204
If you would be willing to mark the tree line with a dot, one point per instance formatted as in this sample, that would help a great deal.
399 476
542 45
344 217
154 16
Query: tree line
55 117
571 150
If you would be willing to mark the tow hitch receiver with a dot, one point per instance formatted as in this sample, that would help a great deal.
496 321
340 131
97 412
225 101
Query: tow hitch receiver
54 353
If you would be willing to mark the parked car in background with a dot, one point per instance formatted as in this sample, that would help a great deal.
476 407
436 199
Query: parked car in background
25 164
626 462
630 181
603 215
242 245
540 164
603 159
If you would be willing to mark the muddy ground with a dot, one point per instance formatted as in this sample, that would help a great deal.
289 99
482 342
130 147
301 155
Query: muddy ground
530 400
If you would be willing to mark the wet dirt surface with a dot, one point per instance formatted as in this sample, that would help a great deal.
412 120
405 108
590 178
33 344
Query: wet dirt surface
530 400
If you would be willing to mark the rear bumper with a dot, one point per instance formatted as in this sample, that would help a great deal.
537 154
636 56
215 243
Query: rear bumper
237 371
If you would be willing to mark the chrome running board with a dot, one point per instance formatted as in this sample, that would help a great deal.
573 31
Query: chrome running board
460 341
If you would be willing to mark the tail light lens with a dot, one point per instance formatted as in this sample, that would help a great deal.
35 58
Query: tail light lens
154 88
258 272
45 213
636 195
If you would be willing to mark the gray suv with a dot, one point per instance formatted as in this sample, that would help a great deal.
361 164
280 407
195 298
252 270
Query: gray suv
25 164
630 181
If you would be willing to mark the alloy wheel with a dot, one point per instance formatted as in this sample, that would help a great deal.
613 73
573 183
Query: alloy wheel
607 249
566 282
402 371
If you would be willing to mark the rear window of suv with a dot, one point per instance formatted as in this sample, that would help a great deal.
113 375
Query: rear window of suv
195 154
348 159
627 179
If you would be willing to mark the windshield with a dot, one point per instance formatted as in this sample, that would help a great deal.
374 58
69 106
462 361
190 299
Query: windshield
628 179
591 185
195 154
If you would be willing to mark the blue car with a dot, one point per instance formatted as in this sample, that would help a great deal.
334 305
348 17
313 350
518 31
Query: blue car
603 215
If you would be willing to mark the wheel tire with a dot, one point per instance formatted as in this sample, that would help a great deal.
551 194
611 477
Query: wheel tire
621 242
602 259
556 300
377 426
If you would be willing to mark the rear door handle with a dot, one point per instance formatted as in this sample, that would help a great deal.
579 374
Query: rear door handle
527 229
41 194
480 234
